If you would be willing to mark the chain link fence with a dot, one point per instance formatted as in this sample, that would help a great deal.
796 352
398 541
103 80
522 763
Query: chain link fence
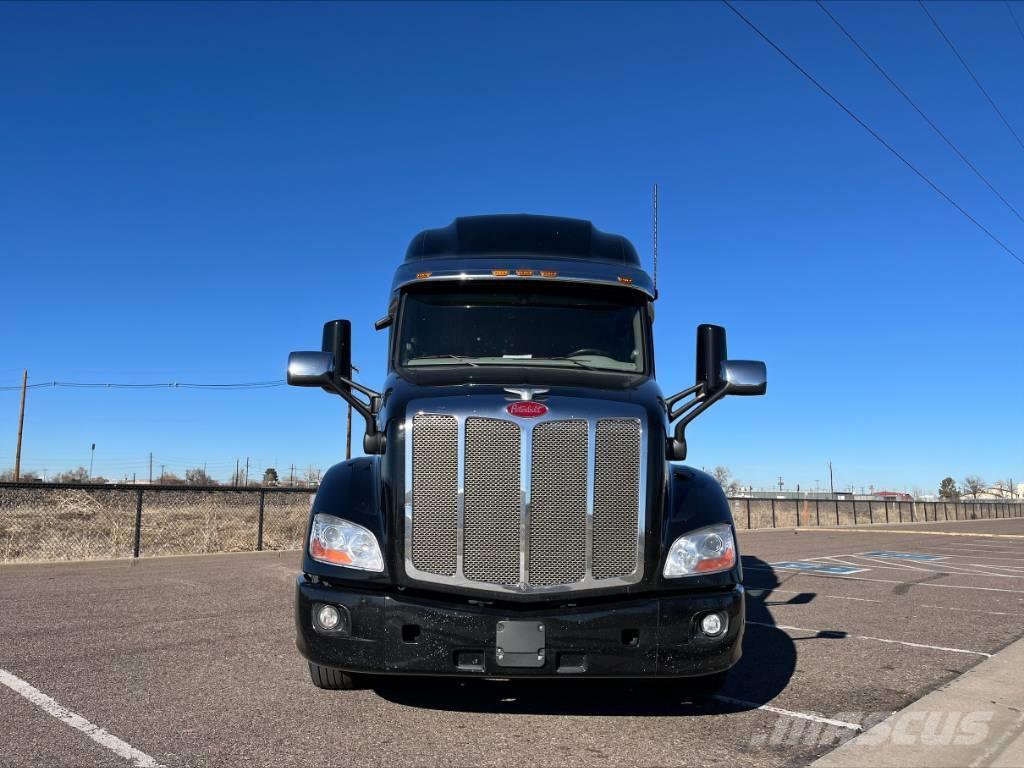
750 513
85 522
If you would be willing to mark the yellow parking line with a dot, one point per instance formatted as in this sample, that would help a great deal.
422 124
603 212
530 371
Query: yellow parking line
917 532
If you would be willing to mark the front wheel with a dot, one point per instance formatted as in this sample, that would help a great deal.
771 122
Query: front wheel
333 679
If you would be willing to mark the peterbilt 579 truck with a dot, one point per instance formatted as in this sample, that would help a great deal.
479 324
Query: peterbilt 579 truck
519 512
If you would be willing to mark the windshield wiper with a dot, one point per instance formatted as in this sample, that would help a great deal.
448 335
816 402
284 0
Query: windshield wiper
450 357
572 360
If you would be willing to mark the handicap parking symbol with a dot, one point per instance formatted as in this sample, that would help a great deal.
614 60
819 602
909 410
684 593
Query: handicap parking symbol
804 565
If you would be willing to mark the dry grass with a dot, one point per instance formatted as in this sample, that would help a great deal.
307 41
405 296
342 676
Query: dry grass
98 523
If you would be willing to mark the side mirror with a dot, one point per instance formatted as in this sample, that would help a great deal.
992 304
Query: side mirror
337 340
311 369
744 377
331 370
717 377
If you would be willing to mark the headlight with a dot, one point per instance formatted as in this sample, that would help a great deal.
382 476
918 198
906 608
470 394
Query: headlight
708 550
339 542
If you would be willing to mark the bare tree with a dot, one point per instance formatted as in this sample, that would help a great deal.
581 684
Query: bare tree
169 478
270 476
722 475
198 476
7 476
79 475
973 485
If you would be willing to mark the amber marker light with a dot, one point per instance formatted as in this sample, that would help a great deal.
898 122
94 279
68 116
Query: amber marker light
422 275
501 272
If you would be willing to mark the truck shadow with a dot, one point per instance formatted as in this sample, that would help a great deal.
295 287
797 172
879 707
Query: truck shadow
768 663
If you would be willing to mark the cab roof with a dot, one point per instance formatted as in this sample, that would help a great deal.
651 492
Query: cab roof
521 234
522 246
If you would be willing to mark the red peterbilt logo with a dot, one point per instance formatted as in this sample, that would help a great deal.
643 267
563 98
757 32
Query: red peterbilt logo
527 409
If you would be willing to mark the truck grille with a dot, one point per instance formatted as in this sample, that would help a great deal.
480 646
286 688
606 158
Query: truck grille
507 505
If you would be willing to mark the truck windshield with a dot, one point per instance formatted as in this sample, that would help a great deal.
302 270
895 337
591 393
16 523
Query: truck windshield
517 324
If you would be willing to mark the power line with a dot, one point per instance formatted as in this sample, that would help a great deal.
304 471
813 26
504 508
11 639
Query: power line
170 385
870 130
919 111
1014 16
977 82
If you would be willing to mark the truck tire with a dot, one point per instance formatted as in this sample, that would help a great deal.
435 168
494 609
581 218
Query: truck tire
332 679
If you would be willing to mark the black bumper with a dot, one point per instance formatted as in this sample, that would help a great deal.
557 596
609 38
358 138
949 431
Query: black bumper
647 637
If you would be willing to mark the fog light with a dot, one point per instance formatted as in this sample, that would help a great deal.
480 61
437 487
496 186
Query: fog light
713 624
328 617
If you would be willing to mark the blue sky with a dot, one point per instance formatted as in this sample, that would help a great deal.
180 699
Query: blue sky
189 191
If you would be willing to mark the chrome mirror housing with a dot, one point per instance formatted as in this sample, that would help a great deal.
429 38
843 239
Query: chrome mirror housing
744 377
311 369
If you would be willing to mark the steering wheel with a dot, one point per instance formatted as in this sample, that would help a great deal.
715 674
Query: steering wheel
589 351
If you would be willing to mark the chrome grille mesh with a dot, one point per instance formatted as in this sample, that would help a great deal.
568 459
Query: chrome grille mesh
491 502
545 504
616 493
558 502
435 487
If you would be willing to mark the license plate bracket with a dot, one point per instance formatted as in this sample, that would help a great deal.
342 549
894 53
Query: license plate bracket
520 643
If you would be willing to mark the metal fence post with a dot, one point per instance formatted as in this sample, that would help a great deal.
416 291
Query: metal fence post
259 535
138 523
773 513
817 512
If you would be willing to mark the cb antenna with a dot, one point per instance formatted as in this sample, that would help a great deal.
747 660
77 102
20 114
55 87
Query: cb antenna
655 239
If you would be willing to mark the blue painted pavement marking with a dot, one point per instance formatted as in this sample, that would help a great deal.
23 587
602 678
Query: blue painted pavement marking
904 556
802 565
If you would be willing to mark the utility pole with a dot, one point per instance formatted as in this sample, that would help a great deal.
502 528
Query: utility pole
348 435
246 471
831 482
150 467
92 455
291 479
162 472
780 483
21 425
237 475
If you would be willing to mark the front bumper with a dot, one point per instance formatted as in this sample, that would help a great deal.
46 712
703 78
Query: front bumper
646 637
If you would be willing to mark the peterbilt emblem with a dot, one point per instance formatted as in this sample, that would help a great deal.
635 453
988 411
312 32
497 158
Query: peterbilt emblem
526 393
526 409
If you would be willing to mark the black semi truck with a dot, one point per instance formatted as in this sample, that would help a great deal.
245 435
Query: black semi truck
519 512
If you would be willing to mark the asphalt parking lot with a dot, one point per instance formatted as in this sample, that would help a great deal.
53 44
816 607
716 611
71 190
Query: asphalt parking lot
190 661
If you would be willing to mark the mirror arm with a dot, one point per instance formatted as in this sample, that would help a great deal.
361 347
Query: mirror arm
677 445
373 441
677 412
704 405
679 396
370 393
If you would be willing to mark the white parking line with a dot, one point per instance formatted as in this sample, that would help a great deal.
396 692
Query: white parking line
812 574
816 594
974 610
787 712
876 639
94 732
941 566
